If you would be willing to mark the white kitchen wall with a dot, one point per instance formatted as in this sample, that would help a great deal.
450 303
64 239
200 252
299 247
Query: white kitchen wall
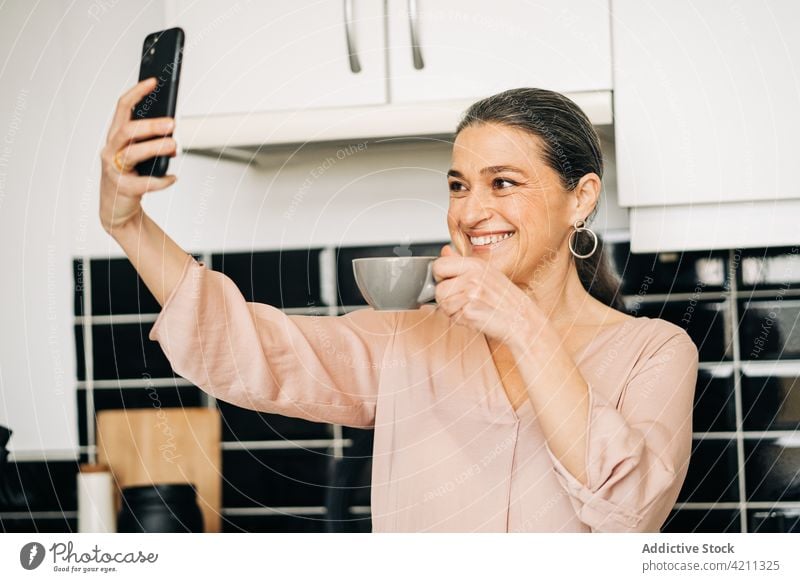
37 366
60 67
62 70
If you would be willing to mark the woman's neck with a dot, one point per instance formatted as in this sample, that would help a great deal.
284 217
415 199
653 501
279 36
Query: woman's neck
561 296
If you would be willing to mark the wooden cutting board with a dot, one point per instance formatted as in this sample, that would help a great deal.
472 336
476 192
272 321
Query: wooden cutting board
165 445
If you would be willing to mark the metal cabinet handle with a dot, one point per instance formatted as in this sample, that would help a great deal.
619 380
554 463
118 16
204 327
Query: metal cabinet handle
355 64
416 51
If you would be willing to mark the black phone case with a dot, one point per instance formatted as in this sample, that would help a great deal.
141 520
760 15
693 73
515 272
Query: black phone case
162 54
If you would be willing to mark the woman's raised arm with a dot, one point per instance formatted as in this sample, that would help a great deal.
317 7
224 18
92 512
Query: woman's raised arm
321 368
157 258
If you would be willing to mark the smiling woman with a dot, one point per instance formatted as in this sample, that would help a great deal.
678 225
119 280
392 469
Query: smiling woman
524 400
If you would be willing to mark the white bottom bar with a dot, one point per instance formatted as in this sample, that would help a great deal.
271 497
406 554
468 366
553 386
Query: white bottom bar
404 557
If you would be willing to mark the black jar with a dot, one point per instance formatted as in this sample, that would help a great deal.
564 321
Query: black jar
160 508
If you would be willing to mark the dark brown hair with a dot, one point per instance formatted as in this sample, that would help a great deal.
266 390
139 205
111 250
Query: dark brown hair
571 147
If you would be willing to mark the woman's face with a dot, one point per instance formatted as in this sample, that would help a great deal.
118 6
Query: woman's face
506 205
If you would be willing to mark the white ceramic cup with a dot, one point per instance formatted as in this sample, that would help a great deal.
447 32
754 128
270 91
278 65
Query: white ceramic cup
395 283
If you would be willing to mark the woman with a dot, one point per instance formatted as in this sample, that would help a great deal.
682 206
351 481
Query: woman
520 402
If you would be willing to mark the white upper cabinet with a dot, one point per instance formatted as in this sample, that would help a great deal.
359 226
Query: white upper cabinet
290 72
281 54
706 101
453 49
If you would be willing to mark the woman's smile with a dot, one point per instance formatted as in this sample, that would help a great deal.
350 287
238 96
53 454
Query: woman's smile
486 241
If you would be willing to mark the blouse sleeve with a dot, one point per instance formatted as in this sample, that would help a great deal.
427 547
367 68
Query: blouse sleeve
319 368
637 456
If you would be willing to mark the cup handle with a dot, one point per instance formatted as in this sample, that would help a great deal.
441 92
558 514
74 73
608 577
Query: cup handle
429 289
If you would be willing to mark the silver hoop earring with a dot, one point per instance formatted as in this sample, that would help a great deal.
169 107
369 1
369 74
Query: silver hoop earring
580 226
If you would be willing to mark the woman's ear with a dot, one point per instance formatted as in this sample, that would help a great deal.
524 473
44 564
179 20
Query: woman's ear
587 194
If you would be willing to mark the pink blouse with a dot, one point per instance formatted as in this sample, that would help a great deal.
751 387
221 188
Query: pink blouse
450 452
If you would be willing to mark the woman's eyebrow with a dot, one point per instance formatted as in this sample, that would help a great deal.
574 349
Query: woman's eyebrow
487 170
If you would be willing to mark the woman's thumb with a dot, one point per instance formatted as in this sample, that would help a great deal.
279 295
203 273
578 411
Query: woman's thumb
447 251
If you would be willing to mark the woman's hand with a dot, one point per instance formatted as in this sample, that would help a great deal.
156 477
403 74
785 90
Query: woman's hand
475 294
129 141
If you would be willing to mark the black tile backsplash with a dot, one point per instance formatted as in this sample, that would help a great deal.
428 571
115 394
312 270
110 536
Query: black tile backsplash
283 279
770 329
353 523
39 525
117 289
772 469
649 273
47 485
274 524
80 360
771 403
712 474
240 424
123 350
270 478
714 403
702 521
774 521
775 268
347 292
704 321
350 483
150 396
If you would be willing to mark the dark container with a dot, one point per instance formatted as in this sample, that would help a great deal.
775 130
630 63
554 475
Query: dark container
160 508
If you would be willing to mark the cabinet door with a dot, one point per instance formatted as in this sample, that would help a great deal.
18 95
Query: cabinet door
474 48
282 54
706 100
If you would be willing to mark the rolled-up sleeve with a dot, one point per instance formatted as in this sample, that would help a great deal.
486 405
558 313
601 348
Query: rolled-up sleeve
253 355
637 455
